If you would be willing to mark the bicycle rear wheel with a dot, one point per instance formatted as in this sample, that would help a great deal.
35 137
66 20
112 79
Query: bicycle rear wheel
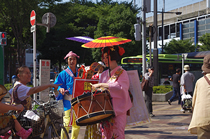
54 131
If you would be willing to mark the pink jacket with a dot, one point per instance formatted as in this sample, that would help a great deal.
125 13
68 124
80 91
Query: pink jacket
118 90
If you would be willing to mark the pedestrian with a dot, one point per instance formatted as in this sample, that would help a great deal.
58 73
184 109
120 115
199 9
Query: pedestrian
187 79
176 86
148 93
200 122
21 92
186 82
97 75
116 80
66 78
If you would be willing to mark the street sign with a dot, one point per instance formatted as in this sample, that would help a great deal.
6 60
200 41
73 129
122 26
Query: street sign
33 17
33 28
49 18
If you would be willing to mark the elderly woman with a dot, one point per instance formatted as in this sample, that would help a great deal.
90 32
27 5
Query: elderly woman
7 120
116 80
21 92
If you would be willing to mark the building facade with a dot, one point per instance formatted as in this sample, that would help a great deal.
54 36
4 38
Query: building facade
191 24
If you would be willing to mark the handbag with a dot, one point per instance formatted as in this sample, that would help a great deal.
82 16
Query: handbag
144 84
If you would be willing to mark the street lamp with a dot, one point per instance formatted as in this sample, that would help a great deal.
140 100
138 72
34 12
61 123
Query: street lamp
163 32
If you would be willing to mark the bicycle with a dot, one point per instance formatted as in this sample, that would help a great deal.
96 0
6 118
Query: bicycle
51 120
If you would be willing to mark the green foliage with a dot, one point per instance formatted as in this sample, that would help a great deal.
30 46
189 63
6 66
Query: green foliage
179 46
74 18
8 86
162 89
117 20
205 41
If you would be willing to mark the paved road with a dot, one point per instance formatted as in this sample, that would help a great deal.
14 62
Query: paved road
168 123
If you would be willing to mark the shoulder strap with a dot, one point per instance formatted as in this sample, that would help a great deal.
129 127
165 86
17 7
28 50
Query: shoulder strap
207 79
15 95
69 72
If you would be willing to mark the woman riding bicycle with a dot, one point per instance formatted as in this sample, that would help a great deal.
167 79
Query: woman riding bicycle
5 120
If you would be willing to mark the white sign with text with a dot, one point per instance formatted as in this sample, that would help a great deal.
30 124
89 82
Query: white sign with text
44 78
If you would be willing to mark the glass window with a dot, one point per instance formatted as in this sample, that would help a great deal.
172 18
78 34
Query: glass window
191 24
166 32
172 28
177 30
207 31
160 33
191 29
186 30
200 33
207 20
185 25
191 34
208 26
201 22
201 28
186 36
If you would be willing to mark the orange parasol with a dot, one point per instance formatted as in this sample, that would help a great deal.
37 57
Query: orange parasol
105 42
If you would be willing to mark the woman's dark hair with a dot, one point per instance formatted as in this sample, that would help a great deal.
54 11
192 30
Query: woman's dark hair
178 70
113 52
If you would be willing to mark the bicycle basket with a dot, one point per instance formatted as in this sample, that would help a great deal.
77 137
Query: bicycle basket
37 126
55 112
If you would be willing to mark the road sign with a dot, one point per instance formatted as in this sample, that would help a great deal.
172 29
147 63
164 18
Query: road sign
33 17
49 18
33 28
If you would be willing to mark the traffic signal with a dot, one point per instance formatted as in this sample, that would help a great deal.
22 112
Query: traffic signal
137 33
3 38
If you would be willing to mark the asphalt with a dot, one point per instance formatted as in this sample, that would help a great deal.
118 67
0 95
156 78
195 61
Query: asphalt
169 123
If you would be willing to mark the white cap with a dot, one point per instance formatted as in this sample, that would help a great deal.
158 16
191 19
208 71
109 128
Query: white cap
101 63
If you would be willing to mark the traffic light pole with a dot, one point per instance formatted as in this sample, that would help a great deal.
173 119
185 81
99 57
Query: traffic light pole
155 50
2 65
143 37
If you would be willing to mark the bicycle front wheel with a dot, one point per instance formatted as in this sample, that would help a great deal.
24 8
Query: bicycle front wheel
55 129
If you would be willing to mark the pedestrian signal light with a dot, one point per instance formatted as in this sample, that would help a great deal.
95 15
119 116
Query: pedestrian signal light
3 38
137 33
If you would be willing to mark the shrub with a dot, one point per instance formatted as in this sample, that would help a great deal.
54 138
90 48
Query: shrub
162 89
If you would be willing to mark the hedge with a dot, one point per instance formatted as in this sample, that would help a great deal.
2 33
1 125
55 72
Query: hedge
162 89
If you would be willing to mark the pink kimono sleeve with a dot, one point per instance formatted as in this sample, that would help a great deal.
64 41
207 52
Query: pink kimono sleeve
120 95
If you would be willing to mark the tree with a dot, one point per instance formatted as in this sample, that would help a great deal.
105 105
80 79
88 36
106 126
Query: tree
179 46
117 20
14 14
205 42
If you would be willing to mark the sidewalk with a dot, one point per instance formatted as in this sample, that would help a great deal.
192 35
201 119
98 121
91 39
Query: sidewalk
169 123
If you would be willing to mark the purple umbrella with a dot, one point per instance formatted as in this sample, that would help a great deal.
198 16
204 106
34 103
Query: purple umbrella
83 39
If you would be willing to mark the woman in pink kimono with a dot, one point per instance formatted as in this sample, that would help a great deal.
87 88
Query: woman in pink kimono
116 80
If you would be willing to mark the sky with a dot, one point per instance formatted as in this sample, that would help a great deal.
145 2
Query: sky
169 4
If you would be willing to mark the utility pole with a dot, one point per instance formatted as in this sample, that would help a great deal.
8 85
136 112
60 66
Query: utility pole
150 39
143 37
163 30
155 50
